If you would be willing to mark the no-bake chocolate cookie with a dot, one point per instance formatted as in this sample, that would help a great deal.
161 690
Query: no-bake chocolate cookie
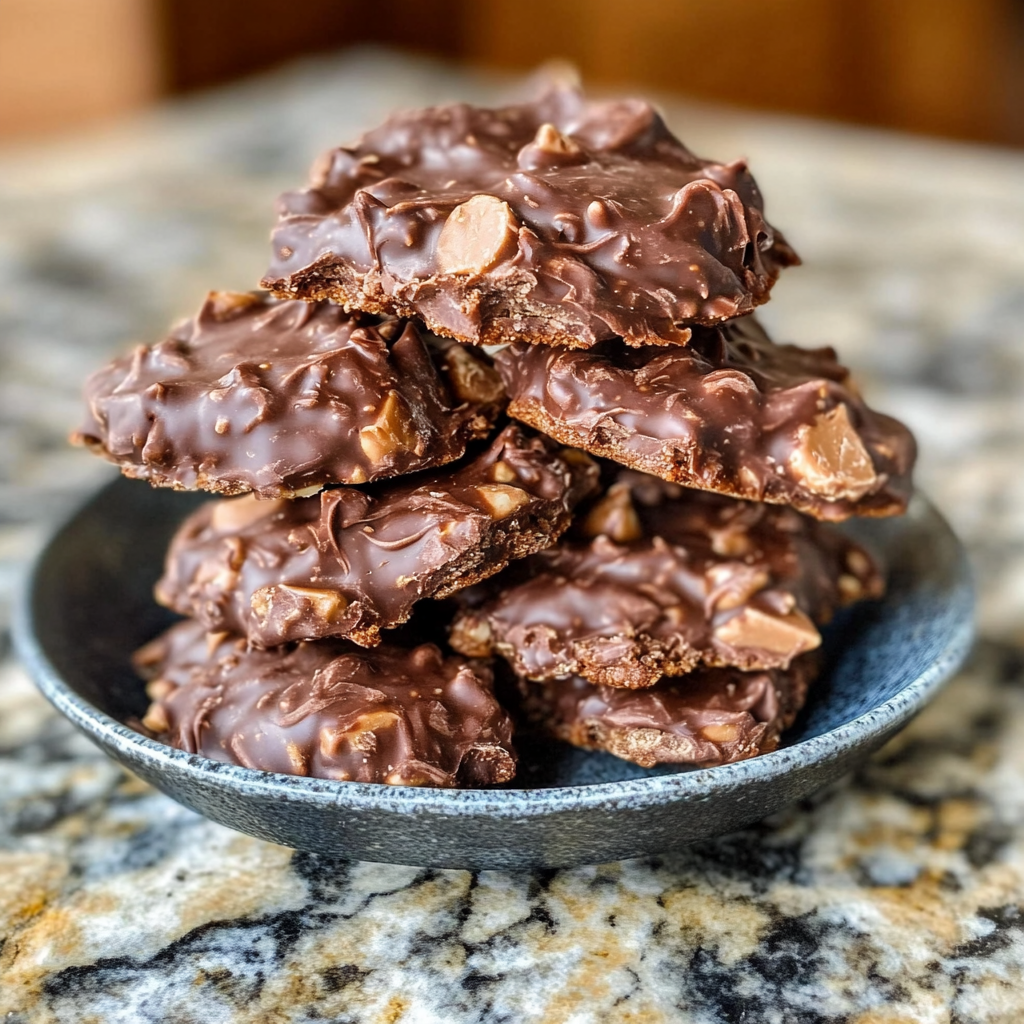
350 563
712 716
559 221
405 717
731 412
655 580
255 394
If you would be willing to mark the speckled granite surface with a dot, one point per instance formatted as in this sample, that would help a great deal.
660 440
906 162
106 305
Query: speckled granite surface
897 896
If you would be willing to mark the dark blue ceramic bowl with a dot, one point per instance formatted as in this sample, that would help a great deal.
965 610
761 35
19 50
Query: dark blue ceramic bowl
88 605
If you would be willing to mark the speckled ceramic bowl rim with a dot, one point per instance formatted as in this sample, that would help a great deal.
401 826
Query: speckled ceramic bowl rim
511 803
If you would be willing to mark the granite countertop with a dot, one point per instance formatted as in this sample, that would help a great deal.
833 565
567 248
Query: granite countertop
896 896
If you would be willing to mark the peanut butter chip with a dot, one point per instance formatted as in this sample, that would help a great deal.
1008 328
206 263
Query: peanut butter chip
214 640
297 758
830 459
551 140
224 305
156 719
391 430
472 380
477 236
733 585
502 499
722 732
158 689
375 720
361 734
576 458
730 541
850 588
261 601
472 637
597 214
858 563
503 473
306 492
787 635
235 514
614 516
325 603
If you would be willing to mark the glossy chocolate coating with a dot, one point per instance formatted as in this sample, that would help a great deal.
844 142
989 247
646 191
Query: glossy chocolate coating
351 562
559 221
655 580
255 394
712 716
731 412
405 717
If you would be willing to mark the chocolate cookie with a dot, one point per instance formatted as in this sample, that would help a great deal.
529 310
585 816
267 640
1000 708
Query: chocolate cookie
558 221
405 717
713 716
731 412
351 563
254 394
667 580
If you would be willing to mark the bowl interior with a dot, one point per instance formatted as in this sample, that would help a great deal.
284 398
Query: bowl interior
92 606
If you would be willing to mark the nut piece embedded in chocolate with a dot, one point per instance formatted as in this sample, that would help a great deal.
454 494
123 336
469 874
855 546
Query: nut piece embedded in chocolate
731 412
351 563
404 717
281 398
477 235
830 459
655 580
558 221
714 716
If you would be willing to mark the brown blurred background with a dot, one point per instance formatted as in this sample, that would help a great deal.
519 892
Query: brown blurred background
946 67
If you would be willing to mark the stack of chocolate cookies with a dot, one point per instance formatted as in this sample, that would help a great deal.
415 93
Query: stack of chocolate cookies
622 511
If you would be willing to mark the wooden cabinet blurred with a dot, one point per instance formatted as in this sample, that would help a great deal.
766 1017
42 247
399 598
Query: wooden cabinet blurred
63 62
950 67
211 41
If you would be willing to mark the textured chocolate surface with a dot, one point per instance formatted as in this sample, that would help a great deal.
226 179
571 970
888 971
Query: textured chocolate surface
350 563
712 716
656 579
405 717
560 221
731 412
254 394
